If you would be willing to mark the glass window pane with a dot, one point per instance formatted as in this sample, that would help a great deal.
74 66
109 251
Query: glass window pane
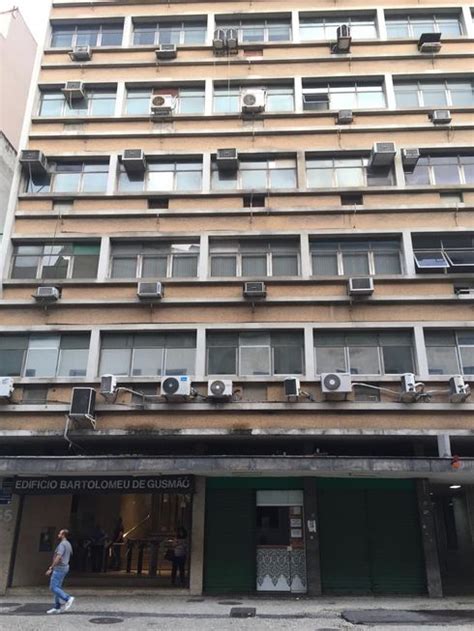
330 359
283 178
364 360
124 267
62 37
325 264
284 265
280 102
147 361
467 359
94 182
442 360
55 266
185 266
115 361
154 267
103 106
254 360
41 362
320 178
180 361
111 35
188 181
434 96
254 178
397 359
254 265
144 34
387 263
356 264
85 266
194 34
288 360
72 362
51 104
221 361
66 182
25 267
223 266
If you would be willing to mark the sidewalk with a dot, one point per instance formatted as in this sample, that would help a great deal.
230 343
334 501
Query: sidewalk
24 610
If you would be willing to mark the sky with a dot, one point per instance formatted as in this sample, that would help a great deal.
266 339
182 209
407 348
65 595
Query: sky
34 12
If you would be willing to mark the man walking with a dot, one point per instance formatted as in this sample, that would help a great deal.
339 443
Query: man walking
57 571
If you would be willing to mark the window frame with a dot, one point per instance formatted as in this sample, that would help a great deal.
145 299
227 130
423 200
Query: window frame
330 87
340 252
269 254
263 22
178 92
162 26
91 93
76 28
235 92
444 84
174 162
268 171
71 259
140 257
412 18
328 22
53 173
457 350
335 184
430 166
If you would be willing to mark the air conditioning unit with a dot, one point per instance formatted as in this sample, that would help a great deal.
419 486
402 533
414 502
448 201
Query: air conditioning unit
108 385
429 43
382 154
219 41
344 39
232 40
82 408
134 161
219 388
360 286
440 117
176 386
464 293
408 392
255 289
46 294
34 161
252 101
345 117
410 159
227 159
150 291
291 386
6 387
336 386
162 104
74 90
81 53
459 390
166 51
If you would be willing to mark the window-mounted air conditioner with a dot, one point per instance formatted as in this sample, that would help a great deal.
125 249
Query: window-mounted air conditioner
227 159
254 289
291 386
166 51
34 161
46 294
344 117
6 387
344 39
108 385
176 386
74 90
440 117
232 40
82 408
252 101
162 104
408 393
429 43
219 41
219 388
360 286
382 154
150 290
81 53
459 390
336 386
410 159
134 161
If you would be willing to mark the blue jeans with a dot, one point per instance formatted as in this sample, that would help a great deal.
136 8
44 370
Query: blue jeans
55 584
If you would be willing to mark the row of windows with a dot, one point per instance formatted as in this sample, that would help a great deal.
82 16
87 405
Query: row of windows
245 353
316 96
247 257
259 29
253 173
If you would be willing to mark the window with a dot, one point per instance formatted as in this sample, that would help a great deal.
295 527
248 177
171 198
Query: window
55 260
148 354
448 253
330 172
188 100
154 260
164 176
399 26
355 257
278 98
450 352
96 103
186 32
70 177
43 355
259 173
434 93
363 352
442 169
342 95
320 27
252 30
69 36
254 257
255 353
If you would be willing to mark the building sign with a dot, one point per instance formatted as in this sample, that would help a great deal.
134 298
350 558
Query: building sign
104 484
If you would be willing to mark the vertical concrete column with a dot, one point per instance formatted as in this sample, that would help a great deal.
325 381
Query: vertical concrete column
295 26
467 21
298 88
398 170
310 368
469 493
301 170
428 537
127 31
313 564
10 515
206 172
208 97
420 352
203 267
113 174
196 572
211 27
389 91
120 98
408 256
381 26
94 354
104 258
200 352
444 446
306 265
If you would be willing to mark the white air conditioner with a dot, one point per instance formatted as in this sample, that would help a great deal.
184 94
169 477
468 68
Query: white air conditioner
6 387
360 286
410 159
176 386
81 53
345 117
408 392
219 41
108 384
162 104
255 289
34 161
74 90
219 388
429 43
464 293
441 117
459 390
291 386
46 294
252 101
227 159
343 43
134 161
150 290
82 408
232 40
383 154
166 51
336 386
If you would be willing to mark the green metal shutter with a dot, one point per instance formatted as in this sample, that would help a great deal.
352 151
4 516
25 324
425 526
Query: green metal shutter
230 553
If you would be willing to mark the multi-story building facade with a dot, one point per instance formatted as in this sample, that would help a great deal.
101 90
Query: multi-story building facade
256 222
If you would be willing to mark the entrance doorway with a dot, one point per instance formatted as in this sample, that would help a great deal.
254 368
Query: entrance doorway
281 555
